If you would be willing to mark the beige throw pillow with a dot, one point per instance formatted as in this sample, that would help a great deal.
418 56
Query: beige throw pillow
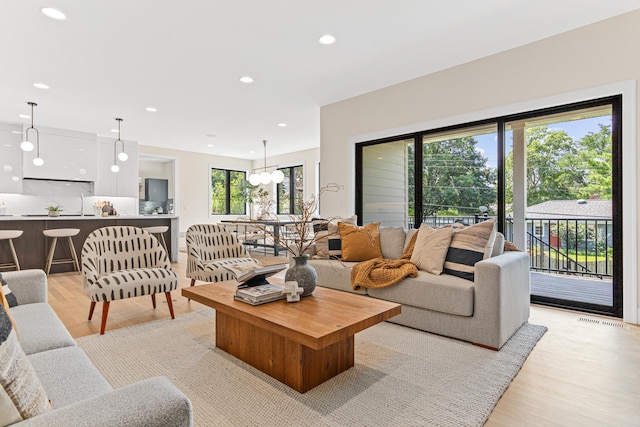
468 246
431 248
328 243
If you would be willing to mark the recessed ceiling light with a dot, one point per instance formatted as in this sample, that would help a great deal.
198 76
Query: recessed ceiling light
53 13
16 132
251 152
246 79
282 125
210 145
41 86
24 116
151 109
114 130
327 39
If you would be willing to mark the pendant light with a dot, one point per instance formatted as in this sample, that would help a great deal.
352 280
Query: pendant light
122 156
265 177
27 145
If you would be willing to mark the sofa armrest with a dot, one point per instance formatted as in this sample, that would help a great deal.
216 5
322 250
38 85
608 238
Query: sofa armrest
154 402
29 286
502 295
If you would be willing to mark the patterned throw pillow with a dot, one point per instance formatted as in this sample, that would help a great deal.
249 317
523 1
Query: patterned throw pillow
22 395
431 247
360 243
468 246
9 296
328 243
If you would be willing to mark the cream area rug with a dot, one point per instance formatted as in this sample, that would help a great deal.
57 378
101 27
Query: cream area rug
401 377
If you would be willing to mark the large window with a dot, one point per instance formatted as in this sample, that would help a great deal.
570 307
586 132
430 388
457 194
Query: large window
551 177
227 192
290 191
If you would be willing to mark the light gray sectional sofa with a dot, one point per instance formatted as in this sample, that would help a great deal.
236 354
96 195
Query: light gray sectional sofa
486 311
78 393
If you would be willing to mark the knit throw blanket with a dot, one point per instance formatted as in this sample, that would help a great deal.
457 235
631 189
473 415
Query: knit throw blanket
380 272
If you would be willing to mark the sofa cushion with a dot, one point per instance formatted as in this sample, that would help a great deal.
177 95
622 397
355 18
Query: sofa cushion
68 376
498 245
327 236
360 243
431 248
392 242
39 328
334 274
8 294
443 293
468 246
23 395
410 235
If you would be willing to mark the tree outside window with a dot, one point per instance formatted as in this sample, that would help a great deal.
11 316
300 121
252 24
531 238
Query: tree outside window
227 192
290 192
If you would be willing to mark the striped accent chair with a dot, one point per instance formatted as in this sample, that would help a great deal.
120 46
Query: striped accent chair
125 262
209 248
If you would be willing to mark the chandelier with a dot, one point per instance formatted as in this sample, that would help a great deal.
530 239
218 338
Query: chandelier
265 177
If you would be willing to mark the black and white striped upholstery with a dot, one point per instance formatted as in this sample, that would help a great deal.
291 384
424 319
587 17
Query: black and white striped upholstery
209 247
125 262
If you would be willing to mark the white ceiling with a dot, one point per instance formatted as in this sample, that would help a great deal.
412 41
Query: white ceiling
114 58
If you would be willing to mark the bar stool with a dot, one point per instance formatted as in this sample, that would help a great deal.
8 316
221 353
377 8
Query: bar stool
10 235
55 233
159 230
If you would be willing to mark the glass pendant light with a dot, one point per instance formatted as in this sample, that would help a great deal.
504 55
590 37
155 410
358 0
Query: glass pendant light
27 145
265 177
122 156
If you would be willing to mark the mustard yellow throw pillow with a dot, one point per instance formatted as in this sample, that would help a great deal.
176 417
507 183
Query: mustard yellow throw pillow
360 243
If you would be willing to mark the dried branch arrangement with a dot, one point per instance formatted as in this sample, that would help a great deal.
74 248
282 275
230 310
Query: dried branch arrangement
296 235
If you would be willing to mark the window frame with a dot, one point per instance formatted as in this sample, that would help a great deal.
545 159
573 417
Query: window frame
227 189
291 190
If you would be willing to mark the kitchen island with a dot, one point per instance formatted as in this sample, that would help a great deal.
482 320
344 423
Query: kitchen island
32 246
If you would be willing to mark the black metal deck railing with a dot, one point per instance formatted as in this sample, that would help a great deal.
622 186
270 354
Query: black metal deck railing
570 246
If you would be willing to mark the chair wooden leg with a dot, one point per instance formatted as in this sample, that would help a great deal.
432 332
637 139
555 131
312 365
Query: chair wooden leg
170 304
153 300
52 249
93 307
105 313
13 253
74 256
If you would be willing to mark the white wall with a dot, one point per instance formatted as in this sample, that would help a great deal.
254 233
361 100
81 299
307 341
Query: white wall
192 176
527 77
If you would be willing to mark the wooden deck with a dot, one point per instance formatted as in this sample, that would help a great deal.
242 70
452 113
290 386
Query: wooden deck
572 288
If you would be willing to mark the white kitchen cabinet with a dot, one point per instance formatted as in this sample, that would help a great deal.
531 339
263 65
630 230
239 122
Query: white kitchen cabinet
123 183
68 155
10 158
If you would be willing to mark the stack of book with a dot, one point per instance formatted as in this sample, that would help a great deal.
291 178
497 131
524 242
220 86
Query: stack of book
262 294
253 273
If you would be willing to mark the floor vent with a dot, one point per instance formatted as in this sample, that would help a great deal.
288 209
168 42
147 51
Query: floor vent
589 320
614 324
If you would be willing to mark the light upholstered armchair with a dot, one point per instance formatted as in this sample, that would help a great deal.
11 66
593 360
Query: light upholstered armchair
209 248
124 262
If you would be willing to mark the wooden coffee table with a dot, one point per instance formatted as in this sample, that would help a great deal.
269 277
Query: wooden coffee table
301 344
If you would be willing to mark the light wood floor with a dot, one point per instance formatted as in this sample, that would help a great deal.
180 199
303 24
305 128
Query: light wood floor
585 371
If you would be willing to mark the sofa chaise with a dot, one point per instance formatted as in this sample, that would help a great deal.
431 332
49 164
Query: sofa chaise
78 393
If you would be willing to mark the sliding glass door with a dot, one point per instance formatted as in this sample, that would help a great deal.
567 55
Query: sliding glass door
551 177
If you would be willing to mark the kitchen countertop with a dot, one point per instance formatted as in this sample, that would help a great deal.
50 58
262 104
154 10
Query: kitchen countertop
80 217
